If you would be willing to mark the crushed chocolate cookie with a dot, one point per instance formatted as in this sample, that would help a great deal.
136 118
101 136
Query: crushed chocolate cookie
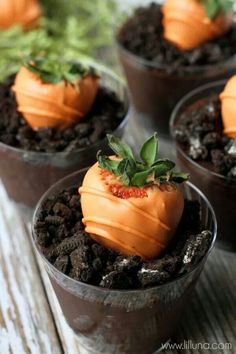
158 271
194 248
62 263
149 277
66 246
117 280
127 264
200 133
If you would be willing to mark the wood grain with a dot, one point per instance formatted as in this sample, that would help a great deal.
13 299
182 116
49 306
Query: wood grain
26 323
211 316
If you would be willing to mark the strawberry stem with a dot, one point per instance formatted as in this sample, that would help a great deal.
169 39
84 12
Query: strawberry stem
54 70
132 172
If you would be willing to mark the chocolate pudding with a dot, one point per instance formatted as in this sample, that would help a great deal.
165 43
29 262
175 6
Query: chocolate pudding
159 74
115 303
113 322
31 161
205 152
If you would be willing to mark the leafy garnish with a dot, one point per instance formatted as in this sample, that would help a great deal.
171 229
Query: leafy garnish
149 150
54 70
119 147
216 7
132 172
70 29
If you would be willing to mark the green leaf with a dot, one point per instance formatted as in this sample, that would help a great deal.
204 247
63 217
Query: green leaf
148 151
212 7
161 167
126 165
227 5
119 147
216 7
105 163
140 178
54 70
126 169
179 177
67 30
125 179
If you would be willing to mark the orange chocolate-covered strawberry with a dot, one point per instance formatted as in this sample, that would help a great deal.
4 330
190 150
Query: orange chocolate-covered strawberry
54 94
228 107
19 12
190 23
130 206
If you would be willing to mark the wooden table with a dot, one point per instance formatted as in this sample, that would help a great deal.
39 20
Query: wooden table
30 317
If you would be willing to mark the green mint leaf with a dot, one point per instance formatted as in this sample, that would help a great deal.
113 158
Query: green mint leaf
48 78
161 167
148 151
227 5
105 163
126 169
122 167
54 70
216 7
140 178
126 165
125 179
212 7
119 147
179 177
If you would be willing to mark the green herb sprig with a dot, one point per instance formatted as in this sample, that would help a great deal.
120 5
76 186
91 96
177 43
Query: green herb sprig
70 29
216 7
148 170
53 70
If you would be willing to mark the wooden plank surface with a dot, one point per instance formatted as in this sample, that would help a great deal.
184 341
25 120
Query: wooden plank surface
26 322
31 320
211 317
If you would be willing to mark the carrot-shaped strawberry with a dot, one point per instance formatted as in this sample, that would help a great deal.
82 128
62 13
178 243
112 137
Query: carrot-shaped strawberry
228 107
50 93
19 12
190 23
131 206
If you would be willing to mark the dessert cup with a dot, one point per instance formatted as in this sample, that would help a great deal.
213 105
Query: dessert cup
124 321
220 190
155 89
26 175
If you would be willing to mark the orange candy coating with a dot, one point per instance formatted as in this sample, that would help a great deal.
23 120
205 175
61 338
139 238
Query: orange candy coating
187 25
134 226
53 105
228 107
19 12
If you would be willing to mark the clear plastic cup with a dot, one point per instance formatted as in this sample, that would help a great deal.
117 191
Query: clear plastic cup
220 190
26 175
124 321
155 89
